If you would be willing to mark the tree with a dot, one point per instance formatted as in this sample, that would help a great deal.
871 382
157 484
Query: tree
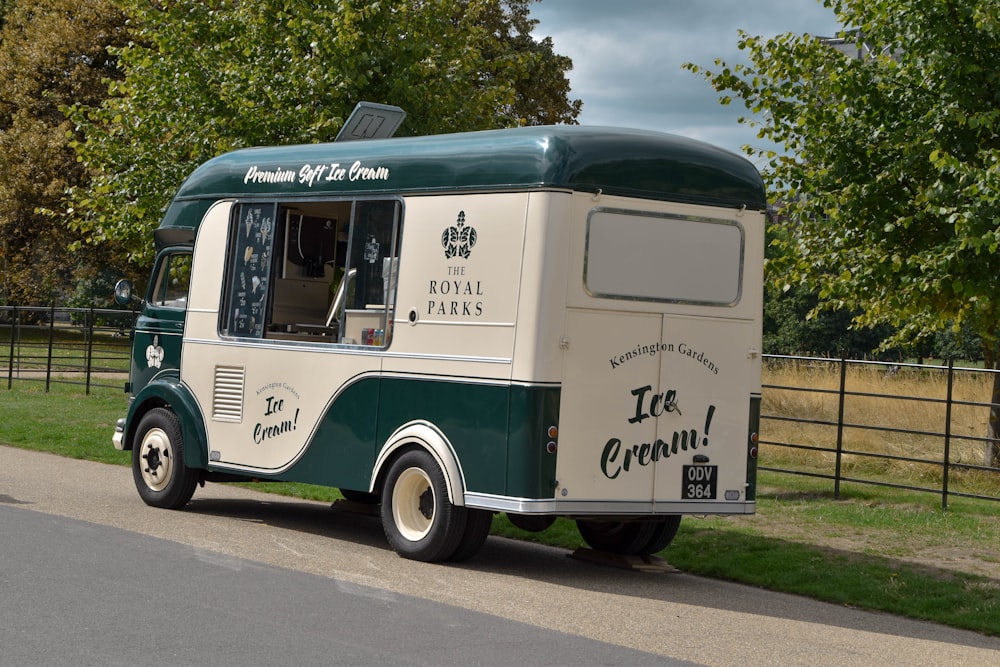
52 52
794 325
5 6
203 78
789 329
890 164
541 93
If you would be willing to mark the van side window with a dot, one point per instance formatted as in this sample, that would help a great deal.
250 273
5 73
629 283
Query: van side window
372 262
319 272
173 278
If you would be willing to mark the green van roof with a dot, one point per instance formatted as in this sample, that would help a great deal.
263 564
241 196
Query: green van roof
633 163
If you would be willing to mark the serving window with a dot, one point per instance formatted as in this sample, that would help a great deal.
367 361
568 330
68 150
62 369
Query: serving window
315 271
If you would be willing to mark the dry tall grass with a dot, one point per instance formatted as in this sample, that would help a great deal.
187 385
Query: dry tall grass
909 399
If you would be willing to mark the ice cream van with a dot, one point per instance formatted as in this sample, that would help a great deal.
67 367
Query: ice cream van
542 321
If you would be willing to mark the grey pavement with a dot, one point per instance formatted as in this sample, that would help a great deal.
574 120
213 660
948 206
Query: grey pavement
78 593
232 551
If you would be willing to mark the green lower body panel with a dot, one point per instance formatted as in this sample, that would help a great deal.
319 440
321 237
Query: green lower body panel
497 432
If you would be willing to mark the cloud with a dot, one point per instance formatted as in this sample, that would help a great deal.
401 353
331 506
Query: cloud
628 56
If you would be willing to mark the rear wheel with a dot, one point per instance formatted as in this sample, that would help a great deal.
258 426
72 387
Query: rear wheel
158 467
417 516
617 537
664 531
477 529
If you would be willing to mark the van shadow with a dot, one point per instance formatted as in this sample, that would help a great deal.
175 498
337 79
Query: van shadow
351 522
503 556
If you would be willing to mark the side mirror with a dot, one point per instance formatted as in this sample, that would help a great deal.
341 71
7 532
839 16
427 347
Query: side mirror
124 295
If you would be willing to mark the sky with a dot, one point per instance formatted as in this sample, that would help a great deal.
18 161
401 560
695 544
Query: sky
627 57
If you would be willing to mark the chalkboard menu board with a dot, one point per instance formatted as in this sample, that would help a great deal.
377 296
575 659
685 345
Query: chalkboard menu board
251 262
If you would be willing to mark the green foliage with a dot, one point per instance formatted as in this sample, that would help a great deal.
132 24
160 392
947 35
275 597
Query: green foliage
958 343
891 162
202 78
94 289
792 325
52 53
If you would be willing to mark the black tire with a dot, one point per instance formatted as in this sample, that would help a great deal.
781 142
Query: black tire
360 496
477 529
158 467
617 537
417 516
664 531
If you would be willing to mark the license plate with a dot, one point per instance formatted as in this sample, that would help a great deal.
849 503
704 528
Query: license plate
699 482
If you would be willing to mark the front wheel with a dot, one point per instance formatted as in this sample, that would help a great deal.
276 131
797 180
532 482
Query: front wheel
418 518
158 467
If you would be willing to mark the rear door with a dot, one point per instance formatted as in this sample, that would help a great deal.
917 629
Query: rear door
645 398
608 361
707 367
659 361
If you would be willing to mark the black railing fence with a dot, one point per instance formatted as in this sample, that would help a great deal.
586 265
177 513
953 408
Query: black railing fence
84 346
919 427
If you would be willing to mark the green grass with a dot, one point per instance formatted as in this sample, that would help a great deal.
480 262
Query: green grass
873 548
875 571
65 421
873 574
109 351
841 577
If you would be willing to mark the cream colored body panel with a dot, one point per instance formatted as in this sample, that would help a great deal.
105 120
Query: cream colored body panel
645 385
283 389
545 272
456 315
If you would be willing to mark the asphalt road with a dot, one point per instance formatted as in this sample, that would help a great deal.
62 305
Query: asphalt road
90 575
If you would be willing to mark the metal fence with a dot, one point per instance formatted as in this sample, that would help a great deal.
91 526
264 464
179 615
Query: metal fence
919 427
83 346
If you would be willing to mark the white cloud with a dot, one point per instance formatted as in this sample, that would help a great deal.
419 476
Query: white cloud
627 57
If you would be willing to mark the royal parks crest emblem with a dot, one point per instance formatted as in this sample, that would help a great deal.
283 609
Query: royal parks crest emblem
458 239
